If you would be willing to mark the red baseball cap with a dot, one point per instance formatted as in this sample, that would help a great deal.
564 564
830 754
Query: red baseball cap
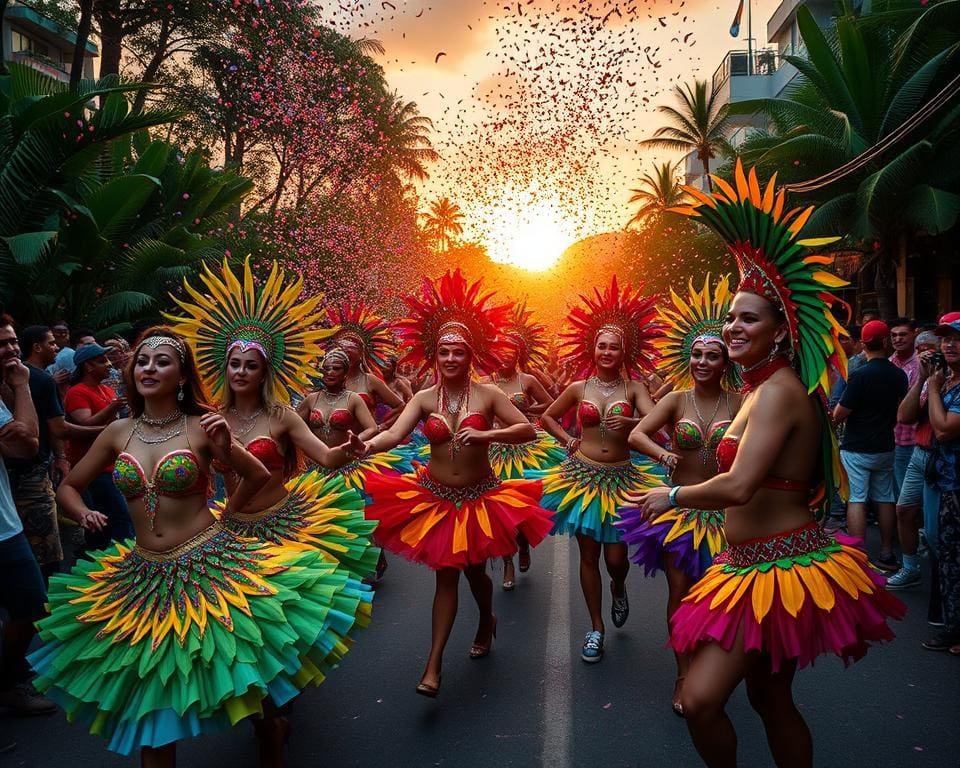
874 331
949 323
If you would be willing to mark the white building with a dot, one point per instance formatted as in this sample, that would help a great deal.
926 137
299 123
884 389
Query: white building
765 74
31 38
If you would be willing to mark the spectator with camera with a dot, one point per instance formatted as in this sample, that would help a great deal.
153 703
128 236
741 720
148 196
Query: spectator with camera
942 373
868 407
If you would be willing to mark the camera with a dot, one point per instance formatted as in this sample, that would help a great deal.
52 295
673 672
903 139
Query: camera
939 361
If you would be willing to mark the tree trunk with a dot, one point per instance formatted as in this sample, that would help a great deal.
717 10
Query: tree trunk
80 46
111 36
3 56
153 66
885 284
706 172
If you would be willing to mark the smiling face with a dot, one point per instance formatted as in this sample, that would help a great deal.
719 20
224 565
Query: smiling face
157 371
453 361
511 356
608 352
708 362
334 374
246 371
9 346
47 348
752 329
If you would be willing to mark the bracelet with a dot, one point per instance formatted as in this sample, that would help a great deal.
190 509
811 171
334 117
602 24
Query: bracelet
672 496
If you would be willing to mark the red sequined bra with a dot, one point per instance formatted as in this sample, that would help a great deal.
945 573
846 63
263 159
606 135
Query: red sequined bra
437 430
727 452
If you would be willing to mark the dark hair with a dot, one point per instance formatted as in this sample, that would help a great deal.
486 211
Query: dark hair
6 319
874 345
33 334
78 334
909 322
194 401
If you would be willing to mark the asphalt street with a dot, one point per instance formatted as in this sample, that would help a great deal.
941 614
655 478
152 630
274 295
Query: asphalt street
532 702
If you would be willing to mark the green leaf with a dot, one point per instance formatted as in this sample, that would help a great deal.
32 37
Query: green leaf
933 210
29 248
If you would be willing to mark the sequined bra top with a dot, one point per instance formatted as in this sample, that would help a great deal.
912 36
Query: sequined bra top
266 450
727 452
339 418
687 435
437 430
521 400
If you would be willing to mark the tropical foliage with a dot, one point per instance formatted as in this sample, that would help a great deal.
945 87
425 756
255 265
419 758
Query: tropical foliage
657 192
443 222
97 221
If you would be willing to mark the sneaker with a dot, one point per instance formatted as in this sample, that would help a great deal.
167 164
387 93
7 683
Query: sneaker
620 609
936 622
885 562
23 699
942 641
592 647
905 577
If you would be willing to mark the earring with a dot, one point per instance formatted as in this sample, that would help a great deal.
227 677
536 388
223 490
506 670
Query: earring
180 393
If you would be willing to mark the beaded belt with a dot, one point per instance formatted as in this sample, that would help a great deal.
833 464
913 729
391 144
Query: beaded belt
801 541
458 494
190 544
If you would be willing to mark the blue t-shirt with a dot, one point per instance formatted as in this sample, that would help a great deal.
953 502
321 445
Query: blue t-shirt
10 524
947 454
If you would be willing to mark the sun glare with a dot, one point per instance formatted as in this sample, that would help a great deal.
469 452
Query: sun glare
533 239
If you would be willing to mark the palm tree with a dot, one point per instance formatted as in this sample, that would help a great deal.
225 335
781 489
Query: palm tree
851 101
442 222
657 192
699 125
407 146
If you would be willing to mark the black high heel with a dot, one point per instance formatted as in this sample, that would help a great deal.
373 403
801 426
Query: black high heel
477 650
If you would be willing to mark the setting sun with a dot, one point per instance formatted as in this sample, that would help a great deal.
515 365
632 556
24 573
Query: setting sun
533 238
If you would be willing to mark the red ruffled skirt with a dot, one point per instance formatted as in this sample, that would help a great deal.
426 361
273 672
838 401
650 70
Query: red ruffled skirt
446 527
797 595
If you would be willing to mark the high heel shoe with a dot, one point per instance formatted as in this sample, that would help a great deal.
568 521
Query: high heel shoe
676 704
478 650
430 691
508 584
524 560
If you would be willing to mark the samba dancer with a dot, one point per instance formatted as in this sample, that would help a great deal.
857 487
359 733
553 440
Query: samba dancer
253 349
698 409
784 591
454 514
613 333
146 645
525 350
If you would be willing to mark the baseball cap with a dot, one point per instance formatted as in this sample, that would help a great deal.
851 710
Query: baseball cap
874 331
88 352
949 323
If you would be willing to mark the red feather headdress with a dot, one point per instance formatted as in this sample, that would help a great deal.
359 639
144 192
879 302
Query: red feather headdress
358 324
529 337
451 309
624 312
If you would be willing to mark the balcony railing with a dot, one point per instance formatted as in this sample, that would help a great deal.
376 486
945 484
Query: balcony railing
741 64
43 64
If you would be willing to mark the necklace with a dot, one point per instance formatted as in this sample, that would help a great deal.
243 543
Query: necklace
163 420
755 375
606 387
446 404
336 397
246 423
705 425
168 434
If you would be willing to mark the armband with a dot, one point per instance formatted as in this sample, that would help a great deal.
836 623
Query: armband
672 496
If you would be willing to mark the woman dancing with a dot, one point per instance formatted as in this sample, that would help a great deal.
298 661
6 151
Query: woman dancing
454 514
611 334
785 590
188 631
252 350
368 342
698 410
525 349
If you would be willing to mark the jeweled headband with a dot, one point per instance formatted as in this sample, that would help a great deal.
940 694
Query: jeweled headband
454 333
158 341
246 344
707 338
616 330
336 354
349 338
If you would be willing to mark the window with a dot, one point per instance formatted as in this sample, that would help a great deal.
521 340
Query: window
20 42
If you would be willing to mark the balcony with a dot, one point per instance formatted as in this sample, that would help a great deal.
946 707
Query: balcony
43 64
741 77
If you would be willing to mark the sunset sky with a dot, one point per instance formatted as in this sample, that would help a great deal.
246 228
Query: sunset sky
538 106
